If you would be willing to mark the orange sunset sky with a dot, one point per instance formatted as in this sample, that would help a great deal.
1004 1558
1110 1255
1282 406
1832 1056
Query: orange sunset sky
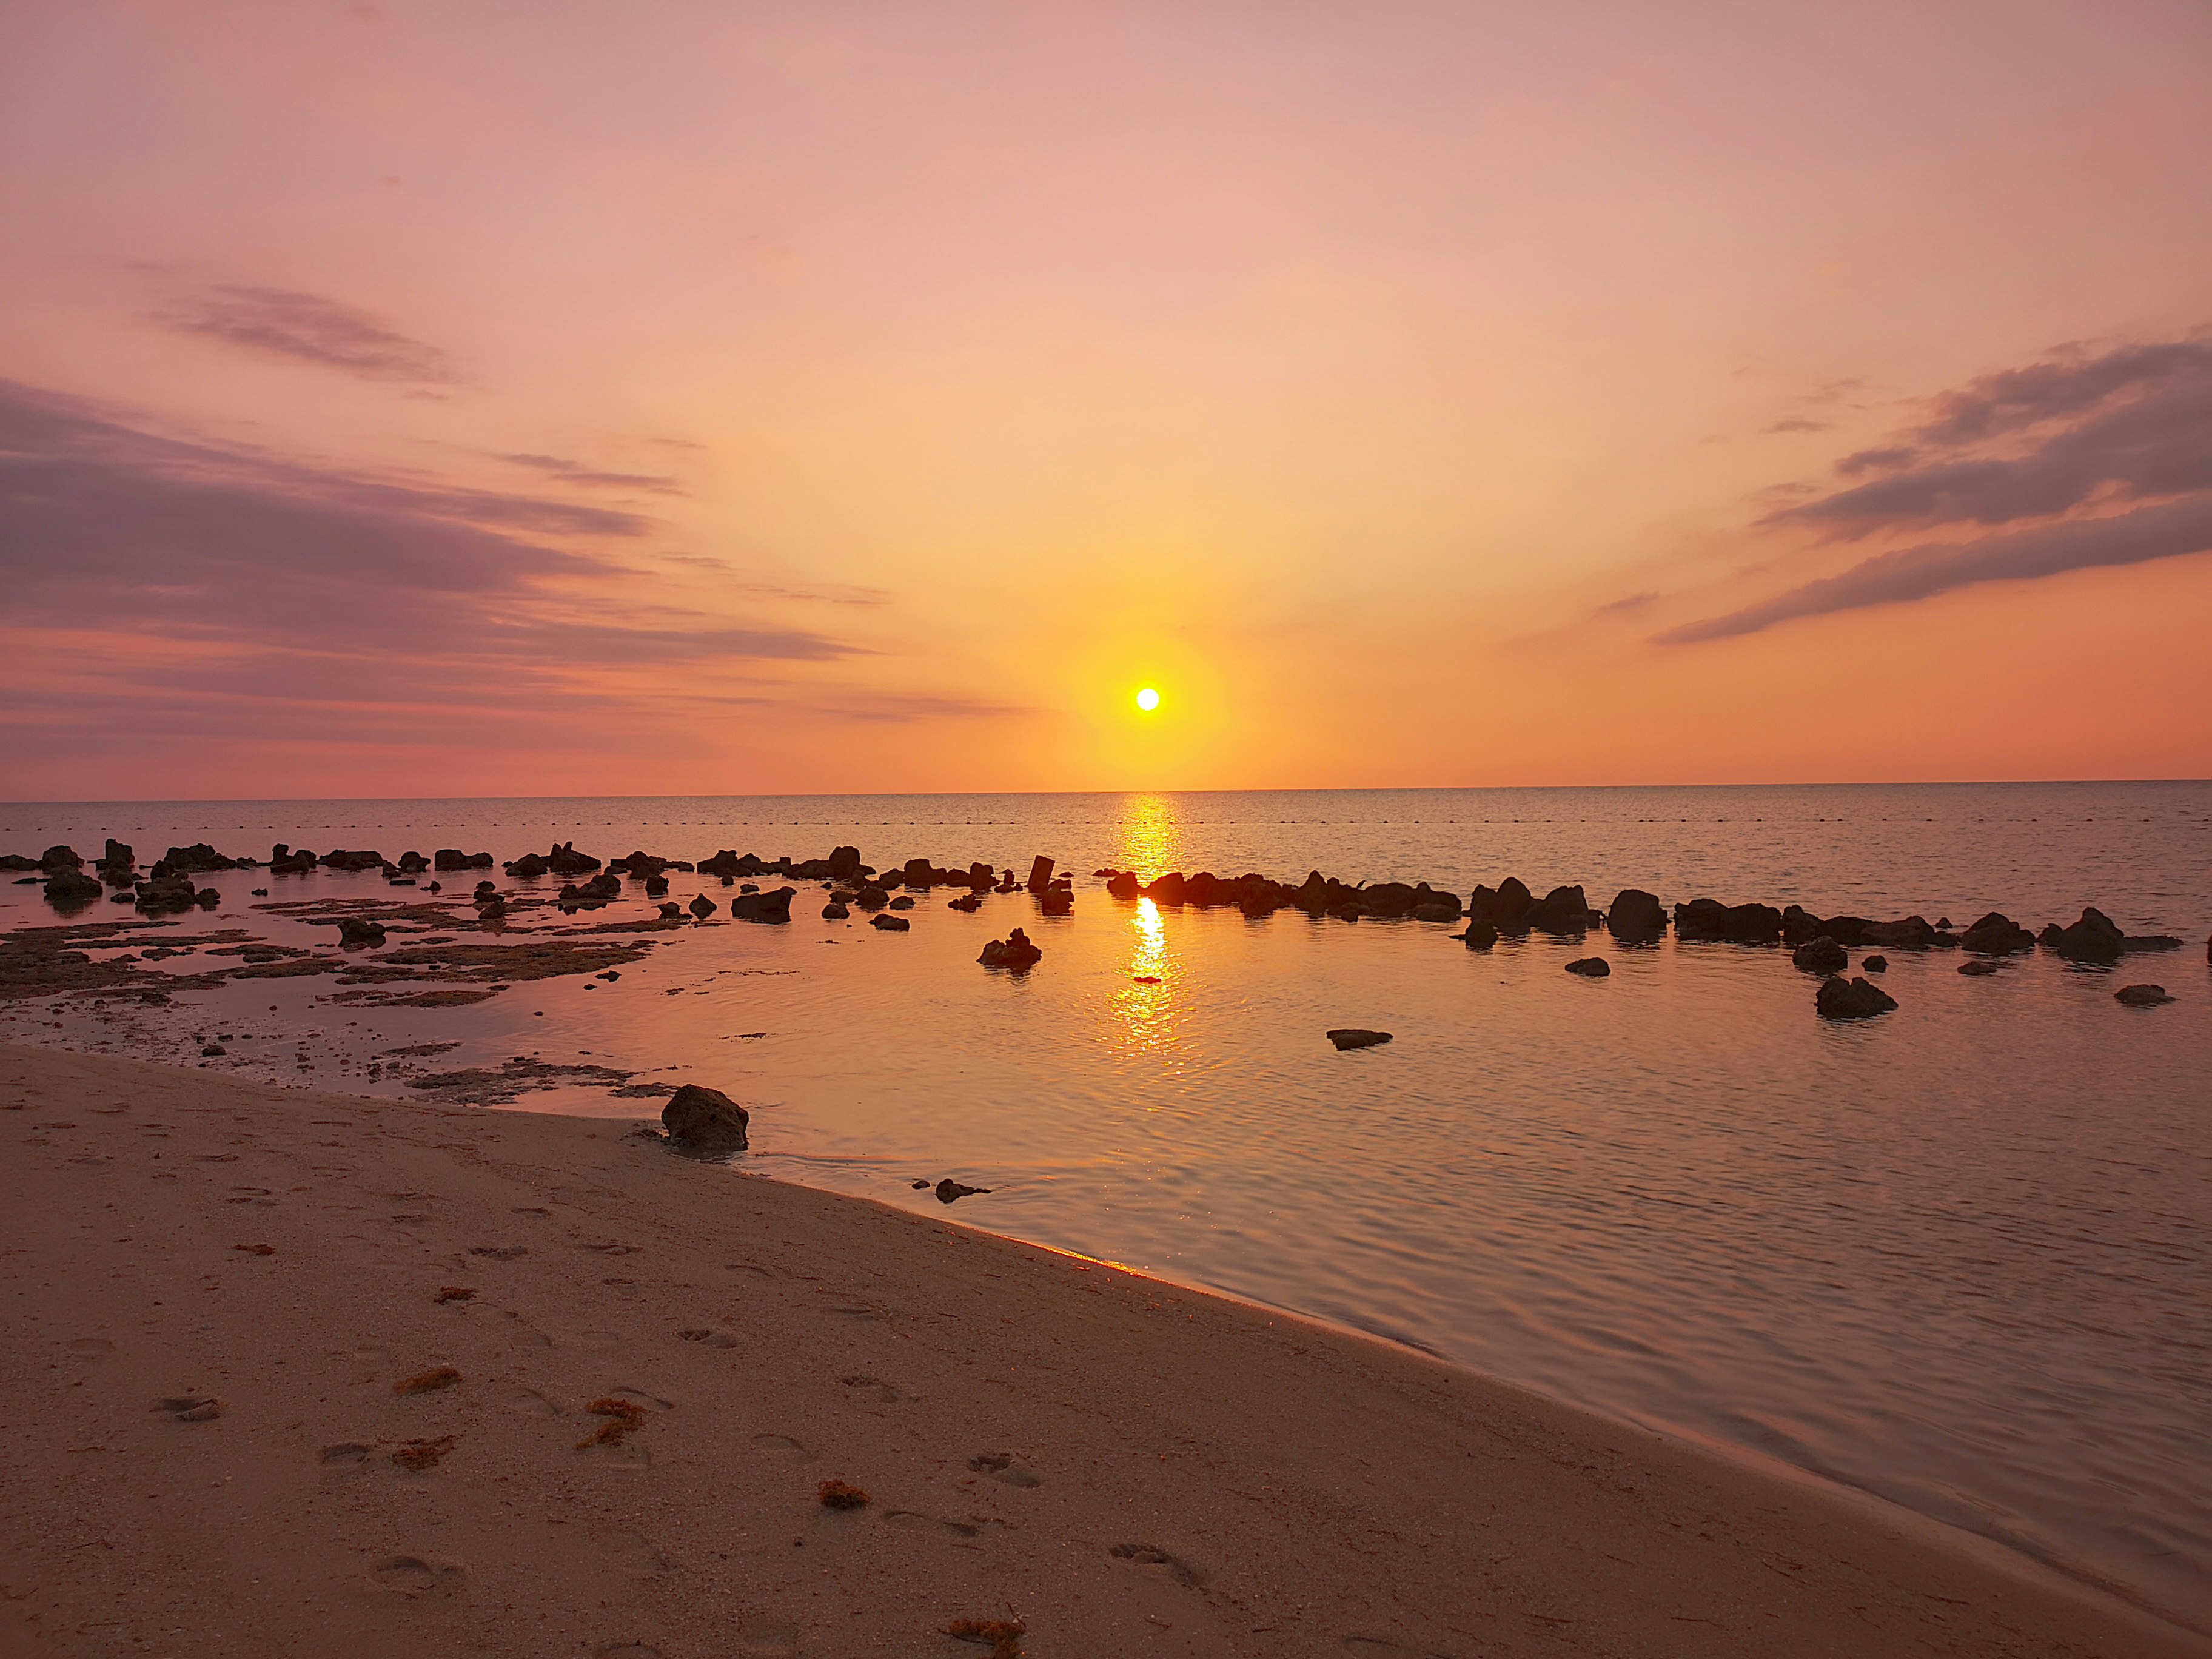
539 399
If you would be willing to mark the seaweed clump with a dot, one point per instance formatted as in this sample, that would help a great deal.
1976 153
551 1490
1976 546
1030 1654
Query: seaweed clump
422 1454
841 1495
1005 1635
429 1382
622 1416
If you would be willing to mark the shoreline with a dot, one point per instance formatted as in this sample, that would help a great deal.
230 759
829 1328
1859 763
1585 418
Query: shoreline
1126 1464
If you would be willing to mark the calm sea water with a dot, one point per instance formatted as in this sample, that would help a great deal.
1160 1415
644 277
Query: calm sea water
1960 1257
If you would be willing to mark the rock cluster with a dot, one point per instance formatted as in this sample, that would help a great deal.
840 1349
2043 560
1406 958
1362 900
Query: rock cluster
1014 951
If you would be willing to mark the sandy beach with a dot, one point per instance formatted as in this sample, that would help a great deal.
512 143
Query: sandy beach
217 1294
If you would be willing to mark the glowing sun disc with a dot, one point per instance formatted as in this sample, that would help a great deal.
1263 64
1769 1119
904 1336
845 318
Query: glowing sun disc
1148 699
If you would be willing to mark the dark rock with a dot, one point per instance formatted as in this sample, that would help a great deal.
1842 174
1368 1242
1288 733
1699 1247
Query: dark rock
1446 911
671 911
1056 902
871 897
705 1118
1352 1037
55 860
356 933
1821 956
1798 924
339 858
2152 942
163 895
1480 935
1997 935
413 863
2095 938
834 911
1875 965
1562 910
1039 874
207 898
1912 933
17 862
452 858
968 901
949 1190
1851 999
1977 967
1709 920
1014 952
774 906
1122 884
844 863
890 923
1590 967
2141 996
903 902
1503 908
1636 917
656 887
68 886
199 858
701 906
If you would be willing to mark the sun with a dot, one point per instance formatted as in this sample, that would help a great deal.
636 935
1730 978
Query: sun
1148 699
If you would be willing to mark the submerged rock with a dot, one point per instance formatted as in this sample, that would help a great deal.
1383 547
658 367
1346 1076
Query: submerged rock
890 923
1977 967
2141 996
702 906
774 906
68 886
356 933
949 1190
1354 1037
1591 966
1480 935
1708 919
1851 999
1820 955
705 1118
1875 965
834 911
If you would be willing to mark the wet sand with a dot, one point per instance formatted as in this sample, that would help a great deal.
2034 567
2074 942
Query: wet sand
1124 1466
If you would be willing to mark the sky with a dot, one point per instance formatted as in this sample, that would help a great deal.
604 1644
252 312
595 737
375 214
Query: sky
539 399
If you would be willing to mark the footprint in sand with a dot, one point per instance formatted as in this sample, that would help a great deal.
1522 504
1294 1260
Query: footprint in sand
1374 1647
626 1650
1001 1465
515 1397
90 1347
767 1638
872 1388
345 1453
1151 1555
412 1574
778 1445
915 1520
712 1339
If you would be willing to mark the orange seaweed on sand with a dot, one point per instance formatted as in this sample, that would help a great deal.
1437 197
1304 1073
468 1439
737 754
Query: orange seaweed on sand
841 1495
1005 1635
455 1293
256 1250
422 1454
443 1377
622 1415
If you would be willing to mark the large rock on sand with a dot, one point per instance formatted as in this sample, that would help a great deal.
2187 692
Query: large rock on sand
1851 999
705 1118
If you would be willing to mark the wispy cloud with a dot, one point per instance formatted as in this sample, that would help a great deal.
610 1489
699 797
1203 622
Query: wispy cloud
563 470
289 573
310 327
2081 460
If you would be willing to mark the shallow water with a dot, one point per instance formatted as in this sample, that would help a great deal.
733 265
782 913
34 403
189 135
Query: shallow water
1961 1256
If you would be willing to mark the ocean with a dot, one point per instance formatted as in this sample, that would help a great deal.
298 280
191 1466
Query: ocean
1958 1257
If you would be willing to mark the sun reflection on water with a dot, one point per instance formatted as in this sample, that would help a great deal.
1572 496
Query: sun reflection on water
1151 836
1151 845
